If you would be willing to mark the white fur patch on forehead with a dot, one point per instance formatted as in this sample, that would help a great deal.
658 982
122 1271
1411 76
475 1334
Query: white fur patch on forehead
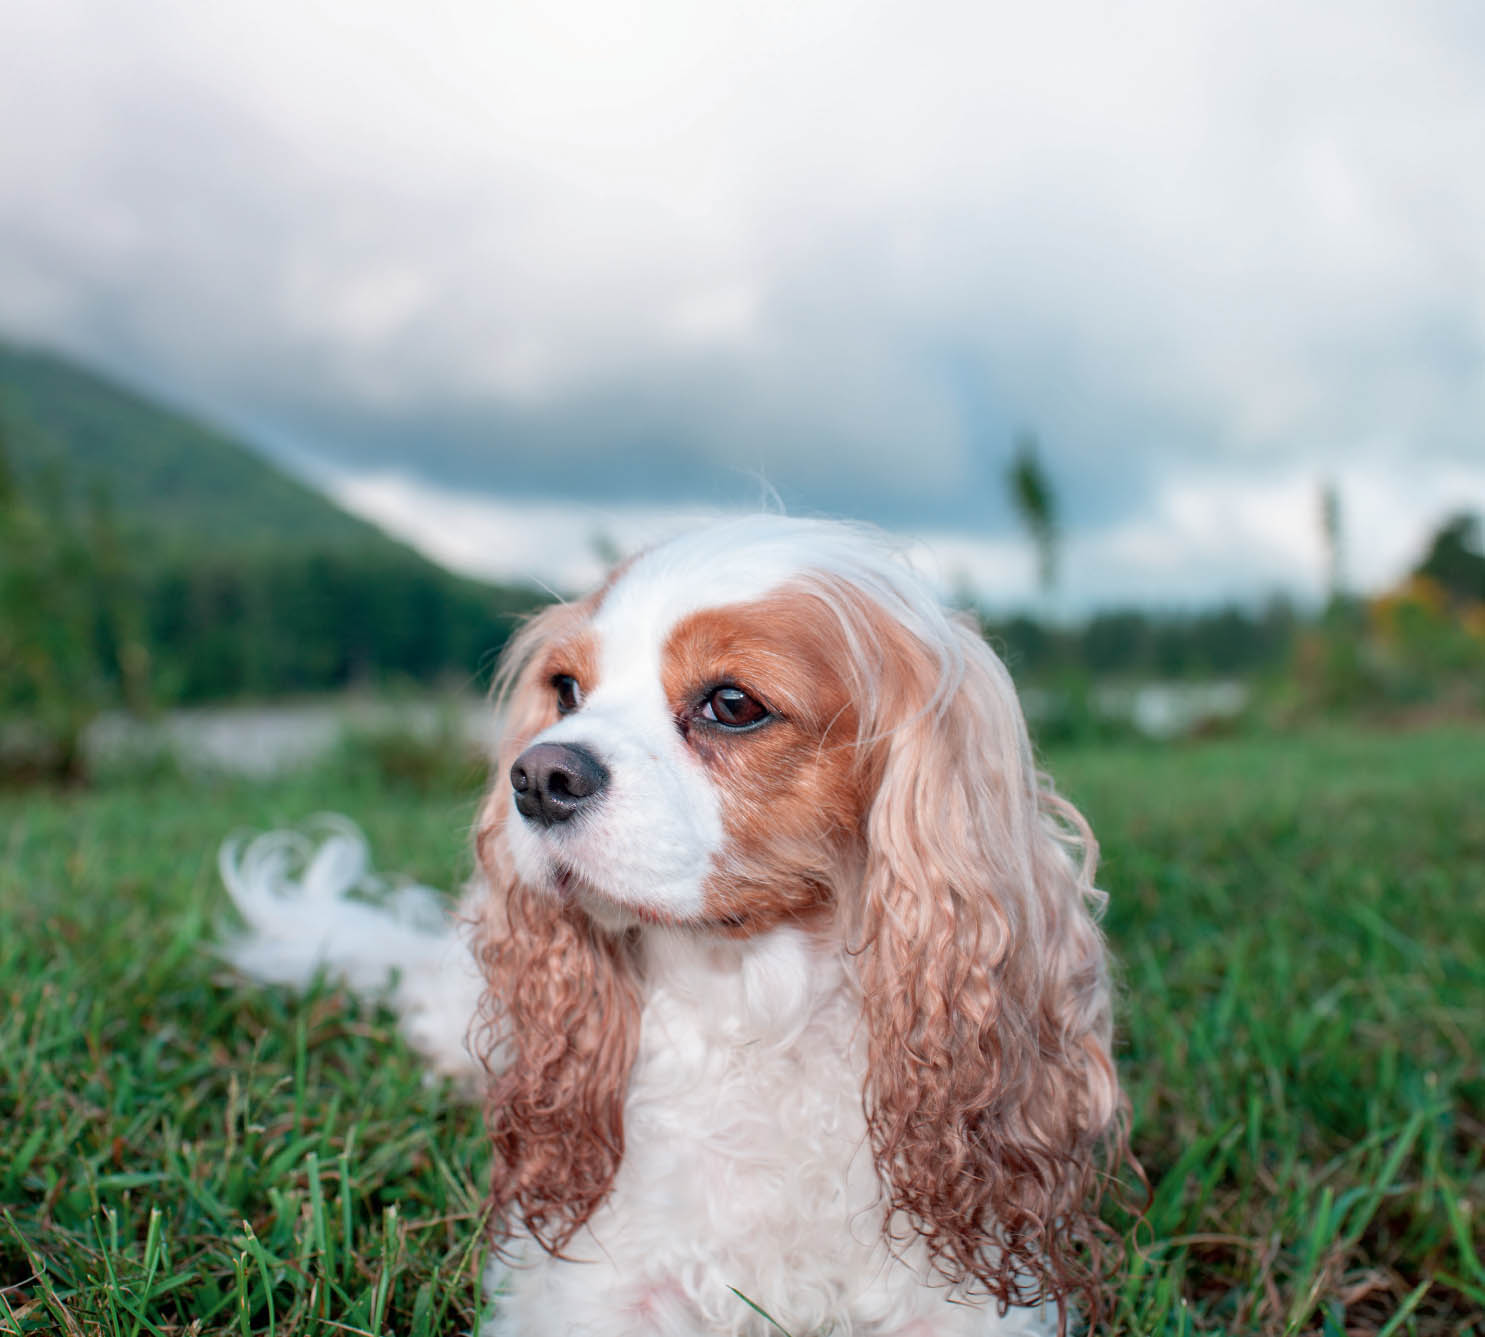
735 561
740 560
743 559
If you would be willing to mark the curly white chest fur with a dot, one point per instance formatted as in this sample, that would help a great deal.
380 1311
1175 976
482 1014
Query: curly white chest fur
745 1172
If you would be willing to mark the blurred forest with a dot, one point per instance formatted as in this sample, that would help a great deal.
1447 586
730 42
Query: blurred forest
147 561
1412 652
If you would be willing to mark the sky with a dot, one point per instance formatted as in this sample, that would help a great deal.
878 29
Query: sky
526 282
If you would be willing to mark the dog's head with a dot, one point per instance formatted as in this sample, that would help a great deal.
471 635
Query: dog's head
773 721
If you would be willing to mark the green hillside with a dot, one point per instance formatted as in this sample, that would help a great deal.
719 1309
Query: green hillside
169 478
149 559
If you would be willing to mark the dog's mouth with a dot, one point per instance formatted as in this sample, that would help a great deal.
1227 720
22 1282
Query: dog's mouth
572 888
571 885
606 909
615 914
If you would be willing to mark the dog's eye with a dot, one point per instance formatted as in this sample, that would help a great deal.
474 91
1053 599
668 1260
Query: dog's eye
569 694
733 708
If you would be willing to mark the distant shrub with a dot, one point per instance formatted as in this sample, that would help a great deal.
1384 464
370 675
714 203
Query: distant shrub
70 641
1428 644
406 754
1420 645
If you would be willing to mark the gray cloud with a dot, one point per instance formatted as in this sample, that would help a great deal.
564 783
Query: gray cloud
655 253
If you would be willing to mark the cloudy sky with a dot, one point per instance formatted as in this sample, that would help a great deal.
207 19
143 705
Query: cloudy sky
500 273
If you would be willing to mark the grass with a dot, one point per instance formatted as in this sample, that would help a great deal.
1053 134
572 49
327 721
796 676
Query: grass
1301 929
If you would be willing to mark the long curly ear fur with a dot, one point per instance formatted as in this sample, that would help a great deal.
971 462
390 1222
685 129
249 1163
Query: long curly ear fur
560 1017
991 1098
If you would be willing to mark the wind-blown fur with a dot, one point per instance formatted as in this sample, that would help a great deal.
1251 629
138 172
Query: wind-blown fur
314 907
857 1065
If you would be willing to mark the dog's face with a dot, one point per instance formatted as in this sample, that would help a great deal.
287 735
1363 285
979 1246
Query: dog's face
698 759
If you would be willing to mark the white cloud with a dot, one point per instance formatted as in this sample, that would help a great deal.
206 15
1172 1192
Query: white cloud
852 245
1237 540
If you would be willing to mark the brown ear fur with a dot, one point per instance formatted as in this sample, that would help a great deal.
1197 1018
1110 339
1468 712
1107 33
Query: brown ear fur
561 1008
991 1092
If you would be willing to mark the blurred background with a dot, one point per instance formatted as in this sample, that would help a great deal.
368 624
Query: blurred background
335 336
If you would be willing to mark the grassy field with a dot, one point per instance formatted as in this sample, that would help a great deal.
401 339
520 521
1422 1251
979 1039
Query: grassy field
1301 927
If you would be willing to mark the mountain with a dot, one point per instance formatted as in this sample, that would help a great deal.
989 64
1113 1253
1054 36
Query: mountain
177 547
170 479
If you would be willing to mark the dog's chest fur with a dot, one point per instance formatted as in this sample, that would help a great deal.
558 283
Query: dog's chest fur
745 1169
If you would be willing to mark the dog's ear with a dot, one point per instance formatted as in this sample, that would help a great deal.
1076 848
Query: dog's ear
560 1016
991 1092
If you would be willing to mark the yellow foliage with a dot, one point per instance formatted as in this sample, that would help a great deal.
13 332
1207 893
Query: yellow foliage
1417 599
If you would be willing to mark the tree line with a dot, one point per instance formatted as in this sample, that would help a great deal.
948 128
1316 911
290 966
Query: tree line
92 618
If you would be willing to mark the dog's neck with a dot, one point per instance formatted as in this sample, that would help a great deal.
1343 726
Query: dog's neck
760 990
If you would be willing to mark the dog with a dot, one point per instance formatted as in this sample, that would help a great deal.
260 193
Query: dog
781 975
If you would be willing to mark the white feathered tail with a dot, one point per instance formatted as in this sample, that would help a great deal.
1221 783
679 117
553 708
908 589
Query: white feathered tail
313 906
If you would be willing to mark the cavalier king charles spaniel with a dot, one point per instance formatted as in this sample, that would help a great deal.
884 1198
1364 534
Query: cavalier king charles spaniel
780 976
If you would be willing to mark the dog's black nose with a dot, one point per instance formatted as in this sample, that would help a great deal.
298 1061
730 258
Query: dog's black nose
555 781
